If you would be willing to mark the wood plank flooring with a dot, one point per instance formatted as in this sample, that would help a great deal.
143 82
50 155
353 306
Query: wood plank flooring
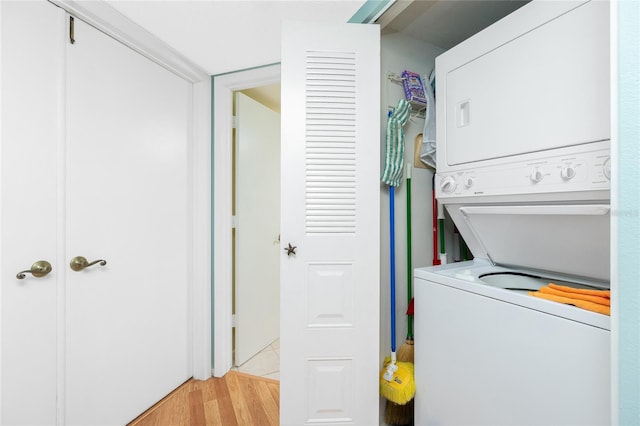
235 399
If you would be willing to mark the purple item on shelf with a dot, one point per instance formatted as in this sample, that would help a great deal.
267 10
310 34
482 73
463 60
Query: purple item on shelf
413 88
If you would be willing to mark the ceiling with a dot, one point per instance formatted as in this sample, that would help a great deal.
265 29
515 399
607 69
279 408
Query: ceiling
268 96
229 35
222 36
445 23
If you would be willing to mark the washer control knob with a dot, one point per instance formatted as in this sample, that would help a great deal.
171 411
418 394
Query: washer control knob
568 172
606 168
536 175
448 185
468 182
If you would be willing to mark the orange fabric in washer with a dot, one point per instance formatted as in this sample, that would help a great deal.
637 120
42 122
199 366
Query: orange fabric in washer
599 293
594 307
595 299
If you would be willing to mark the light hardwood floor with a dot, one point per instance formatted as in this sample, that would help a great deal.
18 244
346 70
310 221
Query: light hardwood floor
235 399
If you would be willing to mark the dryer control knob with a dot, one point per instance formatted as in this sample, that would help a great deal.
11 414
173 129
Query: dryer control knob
468 182
606 168
568 172
536 175
448 185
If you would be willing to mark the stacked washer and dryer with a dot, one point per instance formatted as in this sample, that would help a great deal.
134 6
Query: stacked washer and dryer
523 170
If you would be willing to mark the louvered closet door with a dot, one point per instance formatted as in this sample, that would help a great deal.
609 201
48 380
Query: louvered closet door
330 212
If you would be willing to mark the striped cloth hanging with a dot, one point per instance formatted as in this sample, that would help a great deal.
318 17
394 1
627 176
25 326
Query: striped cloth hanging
394 149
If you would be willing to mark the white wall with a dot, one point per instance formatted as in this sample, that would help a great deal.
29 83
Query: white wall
399 53
626 229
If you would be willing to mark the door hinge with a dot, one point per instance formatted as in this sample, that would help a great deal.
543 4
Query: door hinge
234 222
72 25
234 122
234 321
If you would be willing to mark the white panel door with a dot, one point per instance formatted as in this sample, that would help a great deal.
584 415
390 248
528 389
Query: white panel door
257 267
32 58
330 213
126 202
93 163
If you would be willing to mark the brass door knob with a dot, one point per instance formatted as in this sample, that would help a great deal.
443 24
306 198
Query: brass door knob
79 263
39 269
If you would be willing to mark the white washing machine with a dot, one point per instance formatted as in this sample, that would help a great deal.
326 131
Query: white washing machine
487 353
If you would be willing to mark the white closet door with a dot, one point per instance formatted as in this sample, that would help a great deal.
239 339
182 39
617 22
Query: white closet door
258 227
330 293
126 202
32 56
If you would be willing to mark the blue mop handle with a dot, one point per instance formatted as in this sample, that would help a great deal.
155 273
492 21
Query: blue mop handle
392 267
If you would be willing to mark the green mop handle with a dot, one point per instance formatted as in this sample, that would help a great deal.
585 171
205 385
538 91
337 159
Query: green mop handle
409 271
443 253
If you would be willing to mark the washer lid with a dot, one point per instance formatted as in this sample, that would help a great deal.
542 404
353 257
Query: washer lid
565 239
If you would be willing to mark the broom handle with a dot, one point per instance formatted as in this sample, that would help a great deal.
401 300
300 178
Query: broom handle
392 265
434 206
409 272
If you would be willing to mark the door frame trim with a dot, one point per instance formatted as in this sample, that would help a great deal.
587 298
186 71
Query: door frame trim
111 22
201 267
223 87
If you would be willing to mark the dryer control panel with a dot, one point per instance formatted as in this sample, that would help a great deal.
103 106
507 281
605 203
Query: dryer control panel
559 172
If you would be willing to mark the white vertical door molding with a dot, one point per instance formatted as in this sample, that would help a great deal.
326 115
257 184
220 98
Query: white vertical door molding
330 213
127 195
257 277
200 303
28 223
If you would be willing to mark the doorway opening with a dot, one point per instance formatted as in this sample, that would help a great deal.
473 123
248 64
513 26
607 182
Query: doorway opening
256 231
224 87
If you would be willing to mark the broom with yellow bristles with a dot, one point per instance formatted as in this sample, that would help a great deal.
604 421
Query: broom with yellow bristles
396 414
396 378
